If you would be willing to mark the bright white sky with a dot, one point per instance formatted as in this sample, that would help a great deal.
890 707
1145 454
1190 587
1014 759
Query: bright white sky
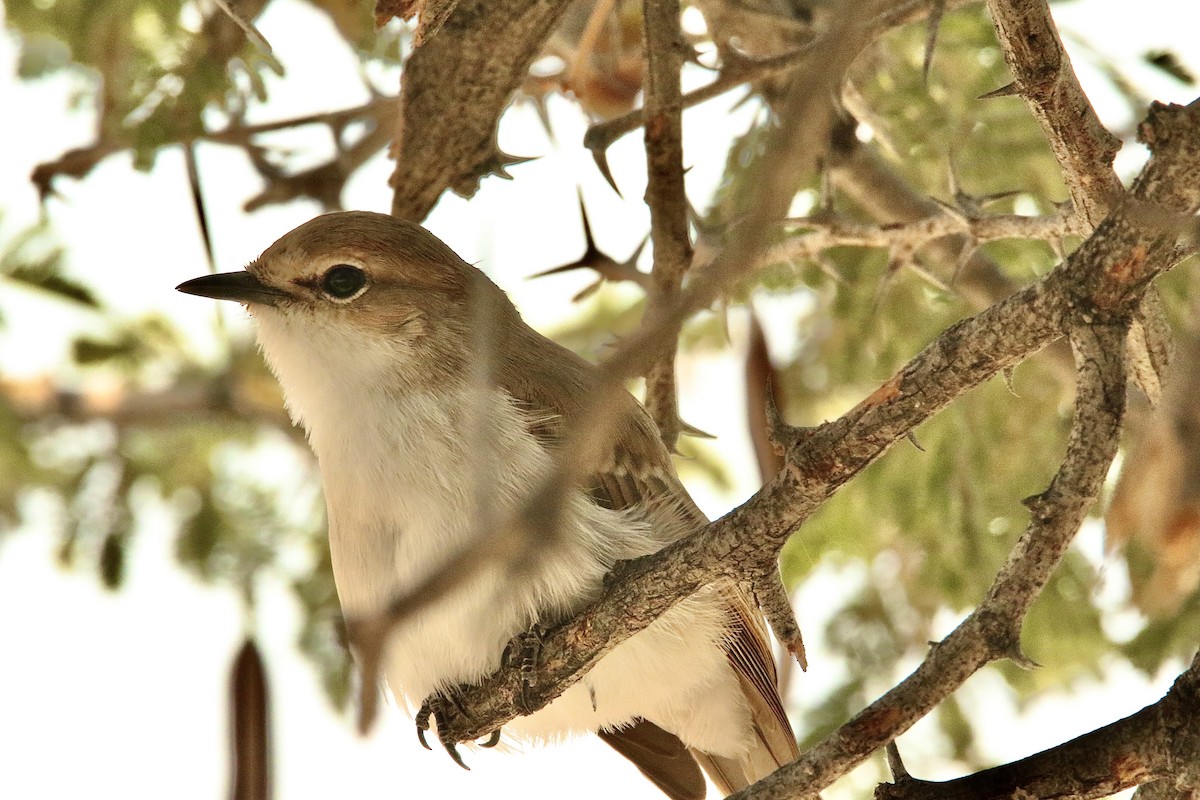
105 694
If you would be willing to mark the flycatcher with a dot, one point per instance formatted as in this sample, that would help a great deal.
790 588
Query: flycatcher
428 400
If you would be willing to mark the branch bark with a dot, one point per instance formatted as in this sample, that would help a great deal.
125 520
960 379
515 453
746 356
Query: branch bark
454 88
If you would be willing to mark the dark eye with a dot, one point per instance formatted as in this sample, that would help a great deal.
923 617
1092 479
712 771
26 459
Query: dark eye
343 281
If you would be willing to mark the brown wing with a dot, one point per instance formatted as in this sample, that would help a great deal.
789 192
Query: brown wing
552 382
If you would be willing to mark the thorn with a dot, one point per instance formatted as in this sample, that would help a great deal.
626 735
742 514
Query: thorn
691 55
955 210
895 762
589 239
631 262
587 291
1020 659
692 430
931 34
1033 501
1058 248
995 196
607 267
601 159
825 195
965 253
912 438
827 267
499 162
543 114
734 62
1007 375
1008 90
780 434
885 283
723 310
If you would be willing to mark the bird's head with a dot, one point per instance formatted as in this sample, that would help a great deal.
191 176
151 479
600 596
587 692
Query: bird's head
358 296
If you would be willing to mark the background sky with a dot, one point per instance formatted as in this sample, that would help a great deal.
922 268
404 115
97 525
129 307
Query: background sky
104 693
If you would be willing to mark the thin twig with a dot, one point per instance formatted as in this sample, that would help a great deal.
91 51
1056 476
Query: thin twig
666 197
601 135
252 33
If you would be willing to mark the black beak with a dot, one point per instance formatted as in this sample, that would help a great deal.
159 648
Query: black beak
240 286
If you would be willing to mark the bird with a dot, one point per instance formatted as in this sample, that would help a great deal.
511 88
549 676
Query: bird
428 401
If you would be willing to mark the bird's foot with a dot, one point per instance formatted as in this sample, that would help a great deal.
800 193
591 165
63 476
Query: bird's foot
435 709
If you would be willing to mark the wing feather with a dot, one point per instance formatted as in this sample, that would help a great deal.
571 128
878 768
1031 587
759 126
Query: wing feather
639 473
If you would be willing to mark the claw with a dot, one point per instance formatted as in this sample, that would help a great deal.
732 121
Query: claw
422 721
452 751
492 740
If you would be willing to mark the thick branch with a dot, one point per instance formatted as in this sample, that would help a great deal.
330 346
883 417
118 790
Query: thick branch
1042 70
1147 746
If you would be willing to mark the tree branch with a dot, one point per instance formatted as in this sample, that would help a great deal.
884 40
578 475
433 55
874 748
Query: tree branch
1043 76
666 197
454 88
904 240
1144 748
601 135
993 630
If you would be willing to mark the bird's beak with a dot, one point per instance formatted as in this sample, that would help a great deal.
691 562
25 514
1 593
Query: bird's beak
240 286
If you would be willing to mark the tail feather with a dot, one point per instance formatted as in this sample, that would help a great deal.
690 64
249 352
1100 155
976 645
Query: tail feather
774 742
661 757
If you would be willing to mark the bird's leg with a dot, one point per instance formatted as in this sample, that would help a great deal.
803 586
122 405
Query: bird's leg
525 650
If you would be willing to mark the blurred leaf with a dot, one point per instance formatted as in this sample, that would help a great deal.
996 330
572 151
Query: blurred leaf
1169 63
112 560
131 346
41 55
43 276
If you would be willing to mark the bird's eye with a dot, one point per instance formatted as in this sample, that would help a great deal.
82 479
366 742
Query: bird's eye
343 281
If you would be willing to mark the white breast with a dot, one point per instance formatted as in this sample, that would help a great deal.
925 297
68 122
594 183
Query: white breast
408 478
